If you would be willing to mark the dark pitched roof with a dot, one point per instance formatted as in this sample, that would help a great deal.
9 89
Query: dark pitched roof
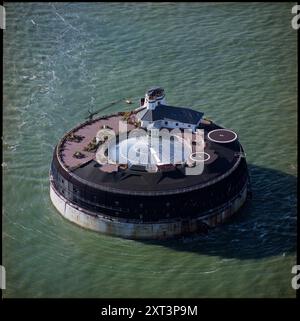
180 114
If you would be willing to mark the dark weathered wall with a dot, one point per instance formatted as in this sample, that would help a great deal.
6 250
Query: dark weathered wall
149 208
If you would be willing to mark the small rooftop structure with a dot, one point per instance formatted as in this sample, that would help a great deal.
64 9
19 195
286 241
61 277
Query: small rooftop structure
157 114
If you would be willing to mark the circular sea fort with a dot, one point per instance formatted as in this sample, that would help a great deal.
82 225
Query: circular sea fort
107 174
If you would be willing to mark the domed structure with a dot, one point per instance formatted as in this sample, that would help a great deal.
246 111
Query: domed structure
156 172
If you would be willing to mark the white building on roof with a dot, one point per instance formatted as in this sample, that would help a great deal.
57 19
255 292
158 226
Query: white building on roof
155 113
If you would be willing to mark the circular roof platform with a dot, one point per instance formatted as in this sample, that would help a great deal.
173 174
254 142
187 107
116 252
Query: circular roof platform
223 136
218 159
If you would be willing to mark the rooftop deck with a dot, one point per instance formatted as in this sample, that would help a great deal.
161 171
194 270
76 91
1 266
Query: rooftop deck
220 159
87 131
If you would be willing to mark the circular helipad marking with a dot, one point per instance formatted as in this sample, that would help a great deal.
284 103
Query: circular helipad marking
200 156
222 136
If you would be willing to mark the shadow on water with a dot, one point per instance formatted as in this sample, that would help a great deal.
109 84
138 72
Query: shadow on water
265 226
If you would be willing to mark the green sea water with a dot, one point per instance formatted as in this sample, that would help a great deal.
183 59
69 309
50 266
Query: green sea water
236 62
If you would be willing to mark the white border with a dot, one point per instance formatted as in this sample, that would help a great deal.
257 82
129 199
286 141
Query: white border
199 160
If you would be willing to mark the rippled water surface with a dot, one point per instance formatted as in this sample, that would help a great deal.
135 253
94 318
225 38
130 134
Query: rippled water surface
235 62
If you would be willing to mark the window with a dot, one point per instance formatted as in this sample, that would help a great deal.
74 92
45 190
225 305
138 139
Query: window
176 124
166 123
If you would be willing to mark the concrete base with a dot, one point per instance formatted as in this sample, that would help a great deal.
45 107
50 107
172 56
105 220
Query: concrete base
135 230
